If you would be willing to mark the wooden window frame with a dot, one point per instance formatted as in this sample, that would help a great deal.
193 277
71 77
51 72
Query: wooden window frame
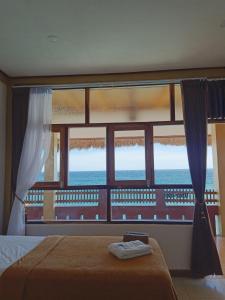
111 184
54 184
66 163
63 129
149 161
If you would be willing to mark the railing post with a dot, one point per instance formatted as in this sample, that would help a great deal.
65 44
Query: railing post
160 202
213 209
102 203
50 175
49 205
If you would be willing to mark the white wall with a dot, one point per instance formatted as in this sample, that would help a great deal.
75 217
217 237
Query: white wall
174 240
2 147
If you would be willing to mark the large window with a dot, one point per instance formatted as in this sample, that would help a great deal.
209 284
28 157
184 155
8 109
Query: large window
117 155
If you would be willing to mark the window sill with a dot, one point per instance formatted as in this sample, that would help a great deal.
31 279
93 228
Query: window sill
167 222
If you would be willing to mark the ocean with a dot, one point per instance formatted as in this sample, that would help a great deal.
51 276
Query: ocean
179 176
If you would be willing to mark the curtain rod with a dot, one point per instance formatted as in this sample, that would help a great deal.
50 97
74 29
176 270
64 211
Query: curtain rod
101 84
118 79
112 84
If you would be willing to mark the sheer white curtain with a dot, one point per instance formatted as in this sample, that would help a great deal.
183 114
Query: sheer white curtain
34 153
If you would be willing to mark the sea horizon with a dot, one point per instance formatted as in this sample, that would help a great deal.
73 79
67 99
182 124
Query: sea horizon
162 176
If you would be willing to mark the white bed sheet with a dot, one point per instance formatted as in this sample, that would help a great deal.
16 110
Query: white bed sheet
13 248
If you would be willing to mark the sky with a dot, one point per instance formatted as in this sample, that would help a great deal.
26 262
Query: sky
132 158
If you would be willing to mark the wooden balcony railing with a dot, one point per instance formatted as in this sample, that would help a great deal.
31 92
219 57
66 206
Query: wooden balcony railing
126 204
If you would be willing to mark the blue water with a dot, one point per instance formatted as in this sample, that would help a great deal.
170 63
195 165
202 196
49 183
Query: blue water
181 176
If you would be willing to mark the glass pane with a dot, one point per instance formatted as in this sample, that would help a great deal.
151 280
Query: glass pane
68 106
130 104
210 180
87 156
75 205
34 205
51 169
152 204
170 155
132 204
178 103
129 155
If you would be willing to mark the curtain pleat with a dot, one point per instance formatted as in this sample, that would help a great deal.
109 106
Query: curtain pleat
20 104
34 152
216 99
205 259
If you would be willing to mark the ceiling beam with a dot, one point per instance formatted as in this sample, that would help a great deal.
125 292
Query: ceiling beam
151 76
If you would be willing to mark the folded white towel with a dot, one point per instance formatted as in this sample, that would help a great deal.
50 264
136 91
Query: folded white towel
125 250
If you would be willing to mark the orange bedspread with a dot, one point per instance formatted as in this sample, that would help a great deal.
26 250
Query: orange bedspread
80 268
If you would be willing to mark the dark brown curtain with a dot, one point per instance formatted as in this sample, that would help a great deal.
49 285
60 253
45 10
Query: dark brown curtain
205 259
20 101
216 99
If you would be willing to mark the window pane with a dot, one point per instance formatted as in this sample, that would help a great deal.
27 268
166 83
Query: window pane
87 156
178 103
153 204
129 155
34 205
132 204
51 169
126 204
75 205
68 106
130 104
210 180
170 155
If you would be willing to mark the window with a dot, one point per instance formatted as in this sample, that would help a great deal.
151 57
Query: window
67 205
87 156
130 104
52 173
133 204
170 155
68 106
117 155
178 102
129 151
210 182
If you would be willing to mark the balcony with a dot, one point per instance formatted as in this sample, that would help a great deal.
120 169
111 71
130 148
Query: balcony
127 205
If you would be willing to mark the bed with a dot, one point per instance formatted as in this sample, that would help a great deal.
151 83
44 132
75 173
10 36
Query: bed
69 267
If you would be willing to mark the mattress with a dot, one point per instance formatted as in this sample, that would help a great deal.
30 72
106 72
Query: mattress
68 268
12 248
